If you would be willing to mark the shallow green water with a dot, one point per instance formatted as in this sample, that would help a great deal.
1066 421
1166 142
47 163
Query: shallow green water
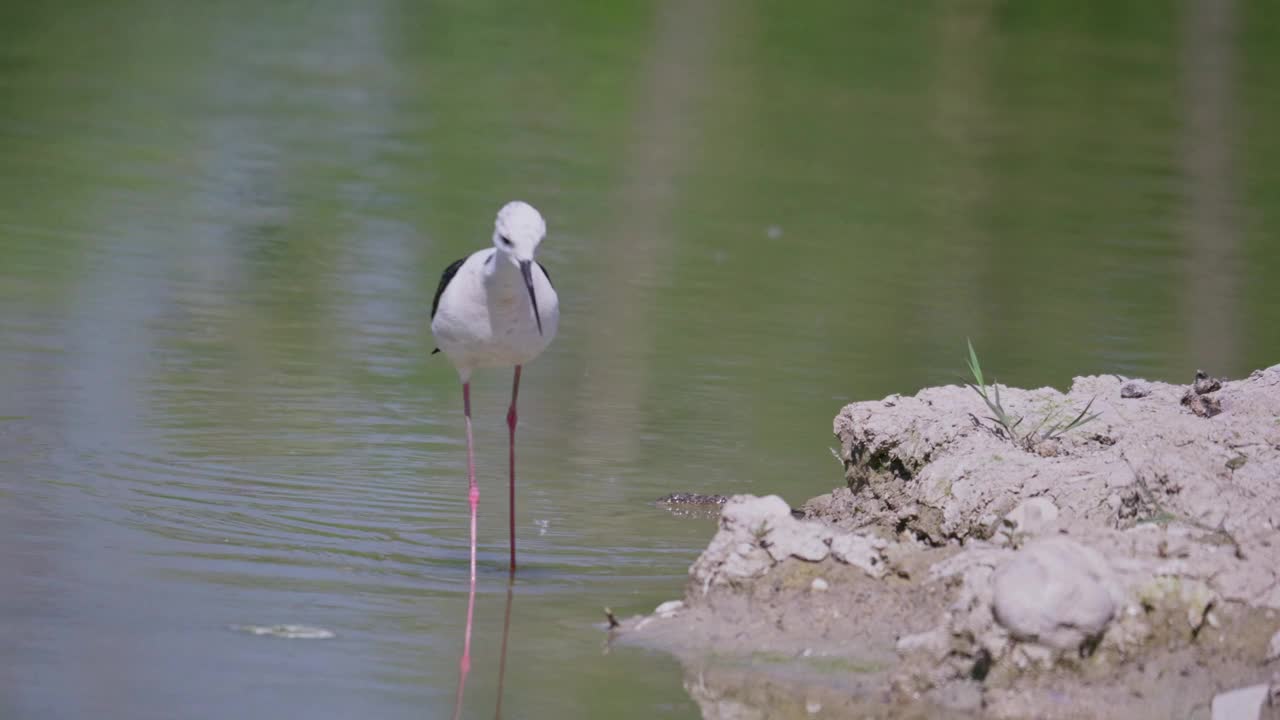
221 225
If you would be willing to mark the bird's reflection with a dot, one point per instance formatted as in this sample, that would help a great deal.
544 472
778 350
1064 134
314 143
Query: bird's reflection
464 664
506 632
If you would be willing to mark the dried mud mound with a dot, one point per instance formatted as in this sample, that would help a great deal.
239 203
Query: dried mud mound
1128 568
936 464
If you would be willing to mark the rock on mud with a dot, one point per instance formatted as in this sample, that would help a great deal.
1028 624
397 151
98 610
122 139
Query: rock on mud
1128 568
1056 592
1134 390
756 533
1240 704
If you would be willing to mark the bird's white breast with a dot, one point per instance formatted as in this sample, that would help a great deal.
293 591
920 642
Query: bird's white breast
485 317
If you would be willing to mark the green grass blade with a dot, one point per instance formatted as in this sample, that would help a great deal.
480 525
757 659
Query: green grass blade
1082 418
974 367
1079 420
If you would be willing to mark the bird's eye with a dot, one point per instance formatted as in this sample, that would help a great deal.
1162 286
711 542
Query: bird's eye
505 240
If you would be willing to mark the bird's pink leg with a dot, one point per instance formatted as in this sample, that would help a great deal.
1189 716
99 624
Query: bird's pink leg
511 456
473 497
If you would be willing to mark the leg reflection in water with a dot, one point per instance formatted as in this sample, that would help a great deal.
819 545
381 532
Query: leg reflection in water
464 665
506 631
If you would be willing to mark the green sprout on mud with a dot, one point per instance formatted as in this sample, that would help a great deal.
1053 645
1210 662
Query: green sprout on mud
1052 426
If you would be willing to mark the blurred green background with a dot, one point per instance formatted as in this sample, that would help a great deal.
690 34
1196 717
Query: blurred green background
221 225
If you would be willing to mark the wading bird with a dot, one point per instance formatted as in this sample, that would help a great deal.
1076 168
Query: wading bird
496 307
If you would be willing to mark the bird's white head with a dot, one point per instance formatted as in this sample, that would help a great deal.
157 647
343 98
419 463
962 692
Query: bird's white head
518 230
516 233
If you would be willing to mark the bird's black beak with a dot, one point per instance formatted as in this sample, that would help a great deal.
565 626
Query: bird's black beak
526 269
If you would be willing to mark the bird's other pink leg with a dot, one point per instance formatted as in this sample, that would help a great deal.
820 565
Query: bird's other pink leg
511 457
473 497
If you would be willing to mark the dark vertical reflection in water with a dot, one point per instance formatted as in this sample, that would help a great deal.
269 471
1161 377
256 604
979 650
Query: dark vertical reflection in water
502 653
628 274
1209 67
464 666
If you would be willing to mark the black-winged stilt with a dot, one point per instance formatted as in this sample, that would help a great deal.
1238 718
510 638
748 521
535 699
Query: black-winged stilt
496 307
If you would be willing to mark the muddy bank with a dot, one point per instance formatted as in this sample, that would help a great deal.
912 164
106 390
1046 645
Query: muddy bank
1127 568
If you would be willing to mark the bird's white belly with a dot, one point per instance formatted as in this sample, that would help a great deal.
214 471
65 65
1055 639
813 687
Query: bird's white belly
499 332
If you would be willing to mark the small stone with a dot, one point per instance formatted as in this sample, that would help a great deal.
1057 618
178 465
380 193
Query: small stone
754 512
1240 704
819 585
813 707
1056 592
1205 406
1204 384
1135 390
669 609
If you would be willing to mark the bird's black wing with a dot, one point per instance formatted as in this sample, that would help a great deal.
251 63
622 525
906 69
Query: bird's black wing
449 272
544 272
